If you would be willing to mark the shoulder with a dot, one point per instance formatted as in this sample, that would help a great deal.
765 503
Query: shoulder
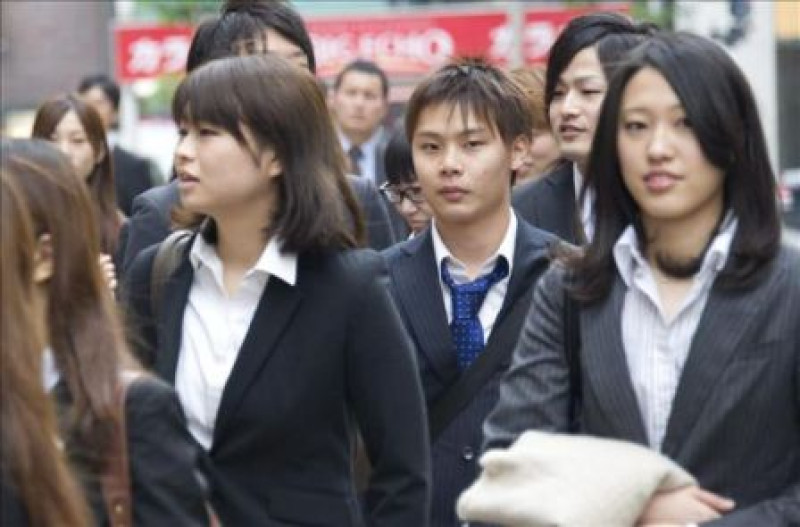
532 189
160 196
535 236
148 395
787 266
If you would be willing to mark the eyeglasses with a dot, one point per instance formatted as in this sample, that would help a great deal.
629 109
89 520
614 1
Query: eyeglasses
396 195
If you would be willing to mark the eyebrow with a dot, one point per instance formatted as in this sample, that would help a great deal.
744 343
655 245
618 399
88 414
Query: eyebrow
643 109
583 78
462 133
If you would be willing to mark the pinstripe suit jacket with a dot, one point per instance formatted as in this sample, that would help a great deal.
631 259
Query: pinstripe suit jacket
735 420
417 292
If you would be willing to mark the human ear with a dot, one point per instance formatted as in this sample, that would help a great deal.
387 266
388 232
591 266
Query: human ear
43 259
520 152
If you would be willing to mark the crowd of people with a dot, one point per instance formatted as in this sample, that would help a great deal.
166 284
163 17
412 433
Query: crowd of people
325 319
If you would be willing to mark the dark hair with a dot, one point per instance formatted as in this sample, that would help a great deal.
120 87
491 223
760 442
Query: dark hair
32 466
101 180
720 105
84 332
283 109
363 66
473 84
531 81
105 83
612 33
397 160
243 22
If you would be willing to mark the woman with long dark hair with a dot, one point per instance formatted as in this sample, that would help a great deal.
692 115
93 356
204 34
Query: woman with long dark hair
280 338
38 489
685 305
86 361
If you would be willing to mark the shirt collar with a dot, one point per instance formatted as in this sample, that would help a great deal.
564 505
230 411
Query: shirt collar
50 374
272 262
628 256
368 146
506 248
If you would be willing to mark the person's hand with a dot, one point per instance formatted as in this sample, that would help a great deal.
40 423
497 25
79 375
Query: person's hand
689 504
108 271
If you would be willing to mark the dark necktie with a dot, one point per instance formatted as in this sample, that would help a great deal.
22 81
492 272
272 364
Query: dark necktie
467 299
355 154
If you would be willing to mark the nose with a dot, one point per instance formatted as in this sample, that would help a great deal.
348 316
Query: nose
570 104
659 147
407 207
184 150
63 145
451 162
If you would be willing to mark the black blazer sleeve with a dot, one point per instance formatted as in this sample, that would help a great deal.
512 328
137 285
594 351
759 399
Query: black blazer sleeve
163 458
139 320
387 397
149 221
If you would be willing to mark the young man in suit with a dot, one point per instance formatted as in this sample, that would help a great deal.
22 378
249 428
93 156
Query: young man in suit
269 27
463 285
132 174
581 61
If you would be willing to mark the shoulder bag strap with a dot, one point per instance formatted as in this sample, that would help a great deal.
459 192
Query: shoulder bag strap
116 479
449 405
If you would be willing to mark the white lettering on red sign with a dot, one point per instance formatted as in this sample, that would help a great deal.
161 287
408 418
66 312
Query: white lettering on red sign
431 46
145 57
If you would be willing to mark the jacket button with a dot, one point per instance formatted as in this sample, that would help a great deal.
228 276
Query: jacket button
467 454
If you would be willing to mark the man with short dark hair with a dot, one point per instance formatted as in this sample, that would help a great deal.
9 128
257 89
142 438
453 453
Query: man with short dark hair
359 103
132 173
463 286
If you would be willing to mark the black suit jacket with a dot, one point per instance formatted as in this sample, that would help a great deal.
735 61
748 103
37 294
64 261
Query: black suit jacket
549 204
162 455
149 222
319 357
132 176
735 418
417 291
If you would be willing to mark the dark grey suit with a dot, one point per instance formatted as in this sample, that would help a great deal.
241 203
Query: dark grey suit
735 420
417 292
549 204
132 176
150 218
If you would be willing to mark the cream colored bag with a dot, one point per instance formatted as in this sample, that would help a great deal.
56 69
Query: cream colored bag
562 480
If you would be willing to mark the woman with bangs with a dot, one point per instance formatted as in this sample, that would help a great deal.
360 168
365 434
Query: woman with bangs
686 302
77 130
279 336
37 487
86 365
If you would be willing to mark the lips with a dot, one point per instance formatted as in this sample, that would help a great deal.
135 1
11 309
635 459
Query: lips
660 181
570 131
452 193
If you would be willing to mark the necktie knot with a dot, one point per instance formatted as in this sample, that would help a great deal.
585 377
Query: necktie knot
355 154
466 301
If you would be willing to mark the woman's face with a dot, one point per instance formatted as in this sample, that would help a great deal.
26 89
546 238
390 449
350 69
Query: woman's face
663 165
70 137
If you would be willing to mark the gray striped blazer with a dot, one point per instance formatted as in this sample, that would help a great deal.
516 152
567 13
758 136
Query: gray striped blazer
735 420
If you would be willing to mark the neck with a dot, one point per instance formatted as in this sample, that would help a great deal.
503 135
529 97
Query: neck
241 238
682 240
474 243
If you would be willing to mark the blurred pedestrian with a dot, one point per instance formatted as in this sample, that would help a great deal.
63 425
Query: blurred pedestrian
86 363
37 488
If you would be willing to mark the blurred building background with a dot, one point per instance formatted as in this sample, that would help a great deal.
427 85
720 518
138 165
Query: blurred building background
46 46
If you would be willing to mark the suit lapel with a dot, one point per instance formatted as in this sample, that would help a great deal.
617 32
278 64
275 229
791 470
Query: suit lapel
725 321
419 294
531 258
273 315
604 365
175 296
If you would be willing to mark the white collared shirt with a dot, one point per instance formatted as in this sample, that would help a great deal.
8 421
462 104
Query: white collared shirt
586 207
214 327
369 151
458 271
656 348
50 373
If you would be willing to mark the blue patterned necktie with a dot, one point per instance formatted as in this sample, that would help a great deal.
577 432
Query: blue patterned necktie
466 301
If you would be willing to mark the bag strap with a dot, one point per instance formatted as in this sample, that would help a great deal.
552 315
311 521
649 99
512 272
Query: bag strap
116 479
167 259
572 343
449 405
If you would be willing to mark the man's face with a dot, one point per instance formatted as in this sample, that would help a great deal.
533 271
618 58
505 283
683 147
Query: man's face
277 44
97 99
359 105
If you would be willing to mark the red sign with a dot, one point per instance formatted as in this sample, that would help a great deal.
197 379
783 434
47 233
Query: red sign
414 44
403 44
145 52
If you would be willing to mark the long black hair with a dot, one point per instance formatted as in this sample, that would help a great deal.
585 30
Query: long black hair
720 105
